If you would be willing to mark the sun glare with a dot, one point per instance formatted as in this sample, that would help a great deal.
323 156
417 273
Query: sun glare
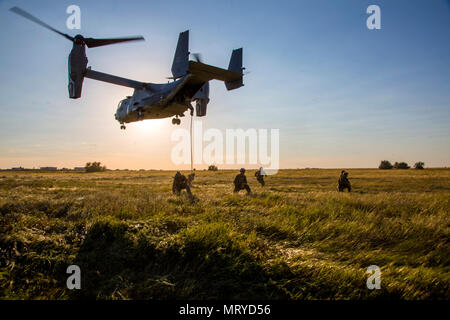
150 126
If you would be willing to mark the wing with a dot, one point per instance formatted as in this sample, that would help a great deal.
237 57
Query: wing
100 76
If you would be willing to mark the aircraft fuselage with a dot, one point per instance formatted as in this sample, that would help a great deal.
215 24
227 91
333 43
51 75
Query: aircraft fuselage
157 101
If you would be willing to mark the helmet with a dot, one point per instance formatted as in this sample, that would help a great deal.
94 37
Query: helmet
242 170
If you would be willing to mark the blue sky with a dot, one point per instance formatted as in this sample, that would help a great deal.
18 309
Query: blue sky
341 95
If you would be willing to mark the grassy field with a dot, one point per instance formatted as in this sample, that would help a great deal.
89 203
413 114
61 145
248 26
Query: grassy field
297 238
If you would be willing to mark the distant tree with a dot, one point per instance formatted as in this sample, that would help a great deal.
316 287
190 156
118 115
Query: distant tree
94 167
212 168
401 165
385 165
419 165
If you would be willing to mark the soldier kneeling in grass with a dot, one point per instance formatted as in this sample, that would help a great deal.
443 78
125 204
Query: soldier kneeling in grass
240 182
343 182
180 182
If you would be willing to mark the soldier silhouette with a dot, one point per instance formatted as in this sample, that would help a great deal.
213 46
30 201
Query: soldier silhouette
191 177
343 182
259 174
180 182
240 182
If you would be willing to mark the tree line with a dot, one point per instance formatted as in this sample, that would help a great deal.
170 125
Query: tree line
385 164
94 167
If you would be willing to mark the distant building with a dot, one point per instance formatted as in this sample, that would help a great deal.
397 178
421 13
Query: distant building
79 169
18 169
48 168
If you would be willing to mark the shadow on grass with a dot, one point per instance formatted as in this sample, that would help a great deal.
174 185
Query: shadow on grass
206 263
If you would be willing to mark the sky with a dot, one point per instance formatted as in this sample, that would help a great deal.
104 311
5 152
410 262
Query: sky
341 95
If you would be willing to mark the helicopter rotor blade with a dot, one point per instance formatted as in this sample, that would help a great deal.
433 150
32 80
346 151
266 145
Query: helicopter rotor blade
92 42
30 17
198 57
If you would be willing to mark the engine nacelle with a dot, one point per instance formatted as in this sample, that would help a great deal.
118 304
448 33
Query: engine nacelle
200 107
77 67
202 98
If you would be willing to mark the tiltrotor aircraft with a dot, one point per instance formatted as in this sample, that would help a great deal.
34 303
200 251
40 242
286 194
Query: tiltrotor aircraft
152 100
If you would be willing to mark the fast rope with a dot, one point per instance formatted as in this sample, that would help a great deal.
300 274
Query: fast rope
191 140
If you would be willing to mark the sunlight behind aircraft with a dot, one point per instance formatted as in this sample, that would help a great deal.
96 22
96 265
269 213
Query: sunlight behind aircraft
151 127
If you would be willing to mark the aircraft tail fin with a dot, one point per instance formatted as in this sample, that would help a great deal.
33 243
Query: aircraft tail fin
235 66
180 63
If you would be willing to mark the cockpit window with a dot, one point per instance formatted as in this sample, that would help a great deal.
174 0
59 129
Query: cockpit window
122 104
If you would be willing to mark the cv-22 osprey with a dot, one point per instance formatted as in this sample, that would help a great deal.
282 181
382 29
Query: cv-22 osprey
152 100
190 84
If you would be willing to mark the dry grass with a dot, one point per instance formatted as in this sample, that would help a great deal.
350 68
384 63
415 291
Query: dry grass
297 238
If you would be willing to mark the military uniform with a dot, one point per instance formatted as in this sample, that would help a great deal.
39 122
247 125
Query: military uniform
343 182
179 183
260 177
240 182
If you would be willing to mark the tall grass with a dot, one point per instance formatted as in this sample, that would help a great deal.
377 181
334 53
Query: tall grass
297 238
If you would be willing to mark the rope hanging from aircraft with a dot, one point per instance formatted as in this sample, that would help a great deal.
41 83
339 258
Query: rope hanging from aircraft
191 141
